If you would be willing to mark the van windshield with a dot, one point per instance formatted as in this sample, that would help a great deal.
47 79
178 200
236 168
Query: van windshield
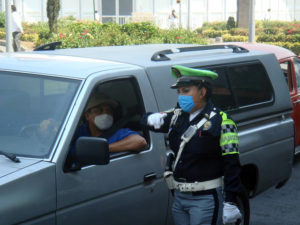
32 110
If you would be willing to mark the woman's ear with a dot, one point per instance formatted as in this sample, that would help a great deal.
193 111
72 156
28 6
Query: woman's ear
86 115
203 92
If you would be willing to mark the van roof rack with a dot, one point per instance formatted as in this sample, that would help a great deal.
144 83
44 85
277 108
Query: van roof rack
49 46
161 55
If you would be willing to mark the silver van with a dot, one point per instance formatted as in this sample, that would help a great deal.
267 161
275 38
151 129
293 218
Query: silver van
43 95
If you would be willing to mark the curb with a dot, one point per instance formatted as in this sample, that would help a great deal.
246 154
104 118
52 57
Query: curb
3 44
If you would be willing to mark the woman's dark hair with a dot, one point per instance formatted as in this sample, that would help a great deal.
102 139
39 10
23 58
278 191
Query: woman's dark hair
208 87
13 8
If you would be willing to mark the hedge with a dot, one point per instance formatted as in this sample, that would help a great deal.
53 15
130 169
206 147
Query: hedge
90 33
294 47
230 38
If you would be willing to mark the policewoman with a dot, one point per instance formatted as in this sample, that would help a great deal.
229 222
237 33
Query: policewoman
206 169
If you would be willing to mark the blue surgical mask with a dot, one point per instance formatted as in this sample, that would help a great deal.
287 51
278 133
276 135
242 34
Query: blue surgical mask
186 102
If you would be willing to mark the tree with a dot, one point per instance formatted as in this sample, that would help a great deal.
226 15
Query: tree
53 7
230 23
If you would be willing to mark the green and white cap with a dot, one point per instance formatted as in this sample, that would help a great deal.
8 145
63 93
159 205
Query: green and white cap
188 76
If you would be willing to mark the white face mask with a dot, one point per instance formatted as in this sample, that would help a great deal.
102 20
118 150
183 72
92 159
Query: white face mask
104 121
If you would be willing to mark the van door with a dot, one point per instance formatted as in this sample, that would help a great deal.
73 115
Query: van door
130 189
291 71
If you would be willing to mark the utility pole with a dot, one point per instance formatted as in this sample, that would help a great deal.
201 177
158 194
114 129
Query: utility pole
180 15
251 37
94 10
117 11
8 26
189 15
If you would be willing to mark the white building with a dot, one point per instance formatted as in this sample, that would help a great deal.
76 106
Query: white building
157 10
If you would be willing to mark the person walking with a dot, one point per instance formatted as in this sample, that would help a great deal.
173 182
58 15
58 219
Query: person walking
173 19
17 29
205 142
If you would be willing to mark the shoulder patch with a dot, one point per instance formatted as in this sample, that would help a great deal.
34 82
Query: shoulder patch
207 125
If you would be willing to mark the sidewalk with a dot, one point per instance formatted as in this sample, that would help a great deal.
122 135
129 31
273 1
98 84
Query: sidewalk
25 46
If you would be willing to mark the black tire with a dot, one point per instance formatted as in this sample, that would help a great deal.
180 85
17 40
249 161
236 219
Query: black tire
244 206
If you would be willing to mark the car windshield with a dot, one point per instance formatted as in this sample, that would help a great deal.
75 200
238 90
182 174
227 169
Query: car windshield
32 110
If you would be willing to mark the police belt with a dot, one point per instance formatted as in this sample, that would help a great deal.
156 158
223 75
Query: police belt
198 186
190 187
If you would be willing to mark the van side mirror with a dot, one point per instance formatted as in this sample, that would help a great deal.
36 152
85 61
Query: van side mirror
91 151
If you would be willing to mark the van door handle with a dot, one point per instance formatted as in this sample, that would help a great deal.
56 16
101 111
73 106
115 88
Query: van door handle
149 177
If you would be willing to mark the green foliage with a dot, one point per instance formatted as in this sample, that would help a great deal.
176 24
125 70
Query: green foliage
92 33
230 38
274 24
179 35
74 34
2 19
230 23
214 33
53 7
2 34
239 32
143 31
214 25
294 47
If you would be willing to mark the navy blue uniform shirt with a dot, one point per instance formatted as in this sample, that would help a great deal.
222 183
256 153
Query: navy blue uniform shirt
203 158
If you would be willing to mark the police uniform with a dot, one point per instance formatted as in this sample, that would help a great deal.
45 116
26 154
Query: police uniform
210 155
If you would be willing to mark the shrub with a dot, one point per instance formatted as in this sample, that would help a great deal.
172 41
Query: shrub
271 31
239 32
2 34
30 37
2 19
214 33
229 38
214 26
90 33
179 35
230 23
263 37
294 47
274 24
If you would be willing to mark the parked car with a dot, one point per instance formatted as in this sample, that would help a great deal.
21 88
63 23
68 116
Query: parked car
290 65
54 86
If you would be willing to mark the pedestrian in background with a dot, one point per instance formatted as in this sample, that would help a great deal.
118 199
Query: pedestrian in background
173 19
205 142
16 27
97 16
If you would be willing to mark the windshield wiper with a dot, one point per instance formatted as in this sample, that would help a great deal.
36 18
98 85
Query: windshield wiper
11 156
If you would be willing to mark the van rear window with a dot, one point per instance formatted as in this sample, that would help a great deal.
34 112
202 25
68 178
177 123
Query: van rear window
240 86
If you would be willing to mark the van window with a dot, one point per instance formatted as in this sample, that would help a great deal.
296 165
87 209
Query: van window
222 93
287 72
297 71
240 86
127 111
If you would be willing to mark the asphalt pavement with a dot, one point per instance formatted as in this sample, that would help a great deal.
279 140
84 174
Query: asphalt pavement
279 206
24 46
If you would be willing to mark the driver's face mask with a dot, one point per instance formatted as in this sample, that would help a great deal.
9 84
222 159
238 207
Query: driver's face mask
104 121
